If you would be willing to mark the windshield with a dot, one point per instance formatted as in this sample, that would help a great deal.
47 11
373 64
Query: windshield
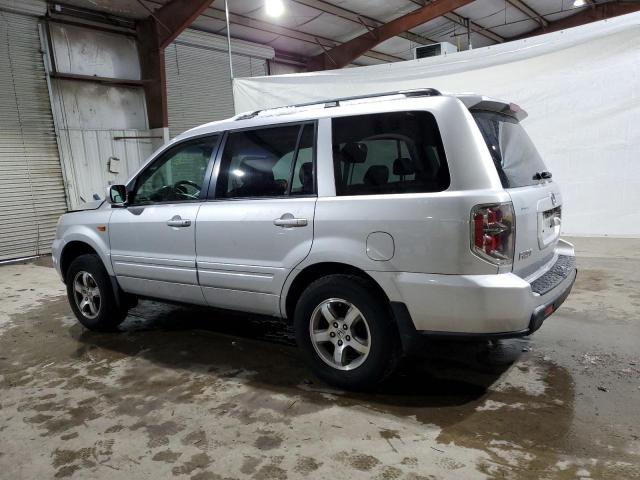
514 154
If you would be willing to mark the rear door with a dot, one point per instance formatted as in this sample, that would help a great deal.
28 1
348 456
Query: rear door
258 222
537 201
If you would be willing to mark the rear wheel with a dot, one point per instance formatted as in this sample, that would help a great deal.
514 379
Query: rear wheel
346 332
91 294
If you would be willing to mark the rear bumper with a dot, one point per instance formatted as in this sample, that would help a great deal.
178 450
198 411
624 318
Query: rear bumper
482 306
560 294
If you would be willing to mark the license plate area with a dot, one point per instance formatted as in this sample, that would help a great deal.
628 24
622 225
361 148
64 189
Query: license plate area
549 222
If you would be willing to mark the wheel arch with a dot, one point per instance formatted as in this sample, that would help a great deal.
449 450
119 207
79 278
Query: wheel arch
73 250
313 272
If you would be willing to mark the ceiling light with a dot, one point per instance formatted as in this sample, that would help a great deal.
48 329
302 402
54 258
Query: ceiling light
579 3
274 8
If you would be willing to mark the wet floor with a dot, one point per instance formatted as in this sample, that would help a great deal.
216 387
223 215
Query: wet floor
202 394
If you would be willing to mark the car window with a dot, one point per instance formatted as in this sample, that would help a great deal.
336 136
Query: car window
514 155
261 162
178 175
396 152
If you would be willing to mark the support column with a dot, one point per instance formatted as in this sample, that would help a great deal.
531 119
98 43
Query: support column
155 33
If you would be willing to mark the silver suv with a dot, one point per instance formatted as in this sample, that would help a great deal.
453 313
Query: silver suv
367 223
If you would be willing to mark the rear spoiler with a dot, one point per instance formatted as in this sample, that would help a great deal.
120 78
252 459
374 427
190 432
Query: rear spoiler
480 102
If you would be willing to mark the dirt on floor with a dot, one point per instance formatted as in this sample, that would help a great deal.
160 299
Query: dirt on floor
203 394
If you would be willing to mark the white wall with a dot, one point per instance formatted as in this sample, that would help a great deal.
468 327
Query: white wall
91 117
581 88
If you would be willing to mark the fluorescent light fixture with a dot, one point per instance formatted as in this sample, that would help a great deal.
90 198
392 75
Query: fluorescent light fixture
274 8
579 3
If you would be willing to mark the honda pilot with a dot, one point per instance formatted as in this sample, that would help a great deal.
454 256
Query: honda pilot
367 223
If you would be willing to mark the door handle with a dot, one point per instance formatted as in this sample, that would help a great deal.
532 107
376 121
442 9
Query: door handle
178 222
288 220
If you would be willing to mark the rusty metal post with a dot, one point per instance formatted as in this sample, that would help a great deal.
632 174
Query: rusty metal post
155 33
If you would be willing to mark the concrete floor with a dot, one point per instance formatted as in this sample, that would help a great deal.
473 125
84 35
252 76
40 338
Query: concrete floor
190 393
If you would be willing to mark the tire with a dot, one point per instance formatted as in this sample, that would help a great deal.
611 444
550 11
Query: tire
89 286
370 345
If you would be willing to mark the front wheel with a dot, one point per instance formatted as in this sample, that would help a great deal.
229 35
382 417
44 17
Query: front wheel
91 294
346 332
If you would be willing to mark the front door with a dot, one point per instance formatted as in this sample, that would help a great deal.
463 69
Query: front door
153 238
258 223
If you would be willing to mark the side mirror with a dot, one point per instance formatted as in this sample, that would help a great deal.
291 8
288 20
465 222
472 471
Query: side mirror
117 195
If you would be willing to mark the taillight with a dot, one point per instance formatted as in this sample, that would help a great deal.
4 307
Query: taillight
492 232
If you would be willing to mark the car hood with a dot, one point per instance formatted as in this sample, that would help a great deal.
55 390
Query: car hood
93 205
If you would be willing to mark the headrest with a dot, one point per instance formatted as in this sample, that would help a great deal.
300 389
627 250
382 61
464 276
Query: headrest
377 175
403 166
306 172
257 163
354 153
255 170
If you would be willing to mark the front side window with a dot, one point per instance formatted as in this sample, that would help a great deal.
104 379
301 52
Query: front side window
178 175
396 152
267 162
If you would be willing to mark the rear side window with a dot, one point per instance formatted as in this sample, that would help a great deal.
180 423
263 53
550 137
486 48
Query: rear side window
396 152
267 162
515 156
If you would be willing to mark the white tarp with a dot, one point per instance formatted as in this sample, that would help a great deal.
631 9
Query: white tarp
581 88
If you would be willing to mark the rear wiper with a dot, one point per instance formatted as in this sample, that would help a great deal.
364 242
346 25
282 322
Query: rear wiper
542 176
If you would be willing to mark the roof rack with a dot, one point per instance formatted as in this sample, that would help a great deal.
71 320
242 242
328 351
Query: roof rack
335 102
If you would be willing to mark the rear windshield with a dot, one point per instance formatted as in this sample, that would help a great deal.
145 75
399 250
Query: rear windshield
395 152
514 154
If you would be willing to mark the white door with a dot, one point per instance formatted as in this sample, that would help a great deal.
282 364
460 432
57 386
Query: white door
32 193
259 224
153 239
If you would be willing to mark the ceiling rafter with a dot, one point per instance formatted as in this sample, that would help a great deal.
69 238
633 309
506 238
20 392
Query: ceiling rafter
359 18
593 13
346 53
480 30
530 12
462 21
267 27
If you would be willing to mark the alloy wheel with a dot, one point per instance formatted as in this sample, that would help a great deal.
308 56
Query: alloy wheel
87 294
340 334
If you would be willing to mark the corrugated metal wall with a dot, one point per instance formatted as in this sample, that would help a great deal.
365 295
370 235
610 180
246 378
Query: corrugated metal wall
32 194
198 81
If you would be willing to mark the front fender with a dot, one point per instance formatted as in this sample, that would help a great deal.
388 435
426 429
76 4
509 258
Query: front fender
91 228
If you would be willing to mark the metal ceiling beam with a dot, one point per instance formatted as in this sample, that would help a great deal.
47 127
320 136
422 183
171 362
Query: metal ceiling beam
460 20
368 22
480 30
346 53
237 19
290 33
528 11
173 17
590 14
154 33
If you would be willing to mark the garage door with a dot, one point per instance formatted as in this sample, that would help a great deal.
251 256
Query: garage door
31 189
198 80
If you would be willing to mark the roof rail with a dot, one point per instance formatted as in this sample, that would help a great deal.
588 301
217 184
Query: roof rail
335 102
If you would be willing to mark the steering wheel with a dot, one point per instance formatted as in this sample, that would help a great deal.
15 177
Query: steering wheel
180 185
